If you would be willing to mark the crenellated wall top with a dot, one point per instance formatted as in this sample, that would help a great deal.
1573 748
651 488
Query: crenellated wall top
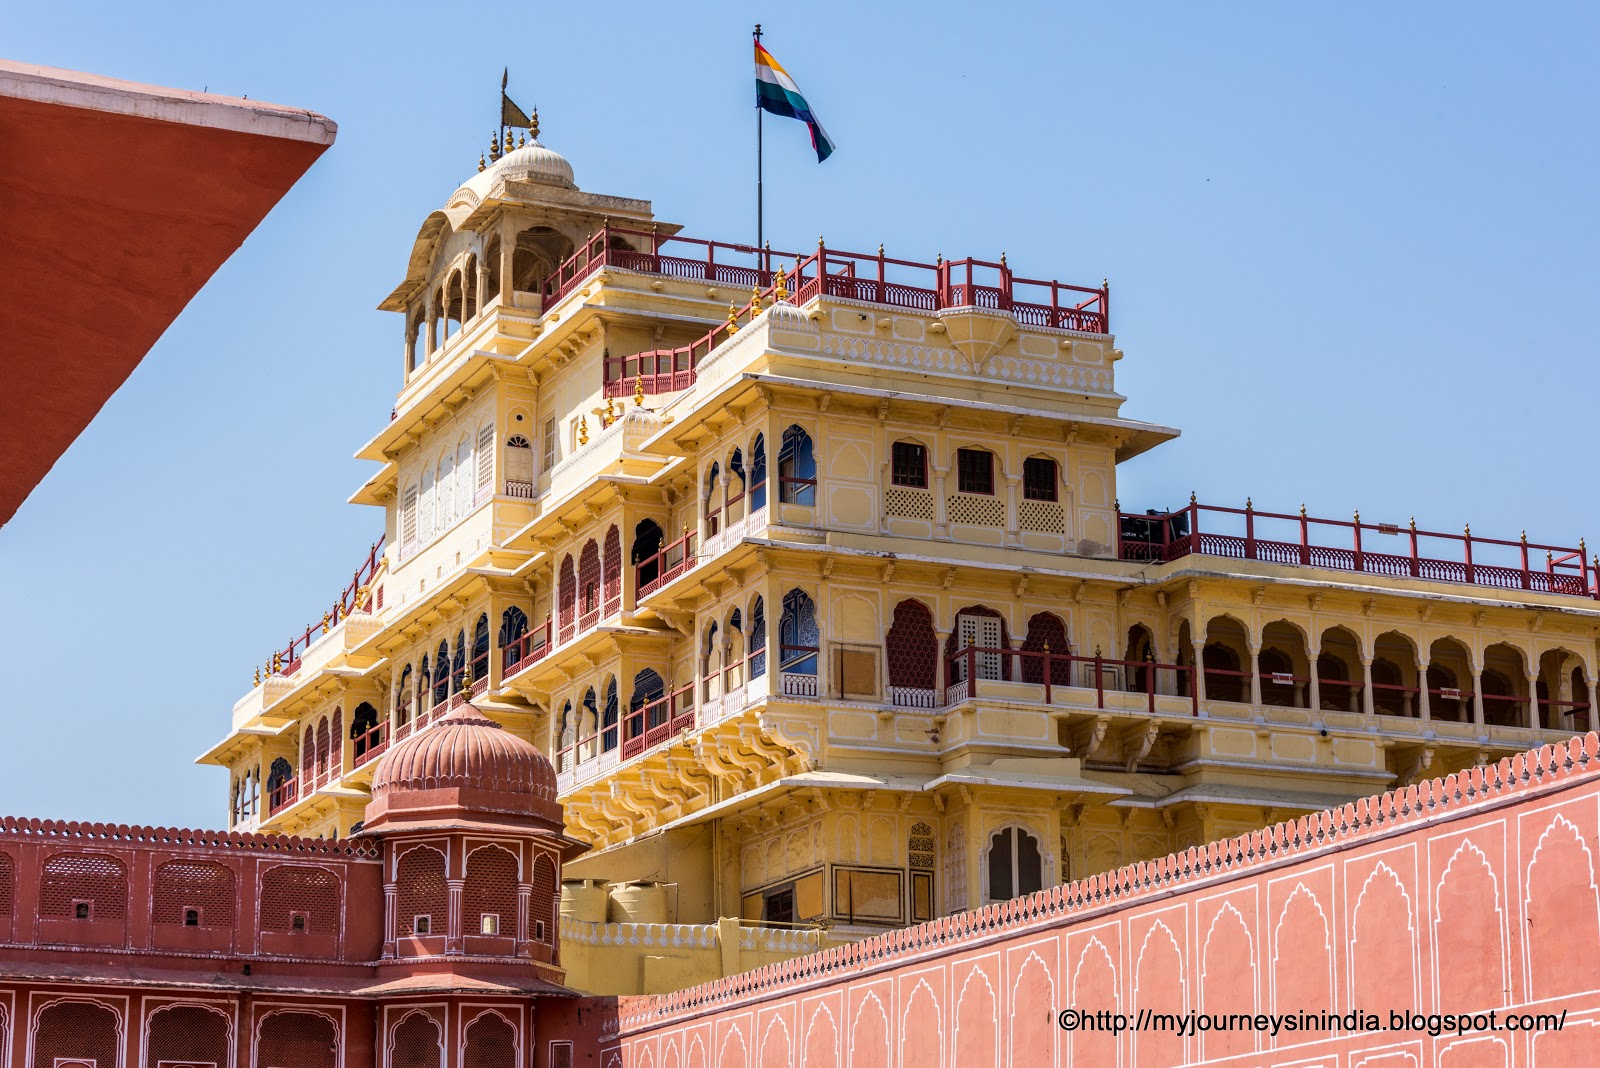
121 834
1397 810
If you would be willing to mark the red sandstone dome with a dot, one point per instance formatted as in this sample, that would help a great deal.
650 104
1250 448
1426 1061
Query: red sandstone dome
464 768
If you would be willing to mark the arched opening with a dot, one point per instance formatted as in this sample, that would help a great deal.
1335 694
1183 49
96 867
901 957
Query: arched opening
912 652
458 666
1226 653
1015 864
441 674
758 473
710 677
611 571
1449 681
735 509
454 306
567 597
589 585
405 699
513 628
1395 681
733 653
797 468
480 650
798 645
1339 671
574 747
1284 665
646 554
280 784
538 251
1505 687
364 733
470 287
491 260
608 720
1141 653
982 630
519 467
713 499
1562 691
1047 633
646 707
416 341
758 638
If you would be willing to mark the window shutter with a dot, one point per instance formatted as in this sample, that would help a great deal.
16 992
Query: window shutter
444 509
463 476
408 519
425 511
485 461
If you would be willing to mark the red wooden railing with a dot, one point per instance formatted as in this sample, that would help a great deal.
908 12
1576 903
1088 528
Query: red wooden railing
371 745
527 649
649 725
1041 668
669 562
283 796
286 661
1495 562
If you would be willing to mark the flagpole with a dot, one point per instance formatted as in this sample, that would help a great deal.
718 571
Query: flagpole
759 234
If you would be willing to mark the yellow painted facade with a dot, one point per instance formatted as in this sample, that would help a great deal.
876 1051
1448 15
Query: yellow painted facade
789 774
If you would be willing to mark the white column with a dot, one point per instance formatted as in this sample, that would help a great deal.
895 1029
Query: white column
1200 670
1424 705
1477 697
1316 683
1367 704
1255 675
1533 701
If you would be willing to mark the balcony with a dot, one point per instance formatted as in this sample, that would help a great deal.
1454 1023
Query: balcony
689 552
1236 534
639 731
355 597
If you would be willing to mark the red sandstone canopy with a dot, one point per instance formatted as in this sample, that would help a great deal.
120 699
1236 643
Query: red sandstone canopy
118 201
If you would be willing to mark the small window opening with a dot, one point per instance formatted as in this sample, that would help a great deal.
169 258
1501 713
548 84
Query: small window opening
81 910
538 931
191 917
422 924
297 922
489 924
1039 479
974 471
910 467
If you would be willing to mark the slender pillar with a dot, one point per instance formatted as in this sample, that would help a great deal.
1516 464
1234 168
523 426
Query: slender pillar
1200 670
1424 705
1316 683
1477 697
941 514
1255 675
453 936
390 897
1533 701
524 896
1013 533
1368 704
1594 700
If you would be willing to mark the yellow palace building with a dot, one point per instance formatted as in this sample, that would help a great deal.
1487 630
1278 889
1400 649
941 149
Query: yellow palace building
808 572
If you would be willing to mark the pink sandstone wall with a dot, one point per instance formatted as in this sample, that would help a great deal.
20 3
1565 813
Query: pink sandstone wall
1462 895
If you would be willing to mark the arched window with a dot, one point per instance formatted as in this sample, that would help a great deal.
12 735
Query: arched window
571 735
645 557
713 498
648 689
758 639
422 901
1016 867
608 722
955 868
611 571
975 471
463 476
308 756
1046 631
567 596
444 512
424 682
1223 682
441 674
416 342
797 468
984 628
491 1042
363 729
425 508
458 666
589 585
278 776
736 486
758 473
912 652
519 467
470 287
483 464
323 747
71 880
909 466
1039 482
798 639
513 625
408 520
192 893
480 648
489 893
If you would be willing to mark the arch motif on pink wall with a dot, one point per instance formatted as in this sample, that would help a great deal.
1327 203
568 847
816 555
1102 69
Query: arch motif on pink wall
922 1027
1383 967
731 1055
416 1048
1094 987
191 1046
1469 938
822 1040
869 1034
1563 920
776 1049
1228 981
697 1053
1298 938
979 1020
1158 984
493 1028
1033 1006
669 1055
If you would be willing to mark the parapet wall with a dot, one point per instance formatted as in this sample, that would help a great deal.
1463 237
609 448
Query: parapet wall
1466 894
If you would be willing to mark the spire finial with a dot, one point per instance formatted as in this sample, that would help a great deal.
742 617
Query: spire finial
533 127
638 391
755 301
1192 498
481 164
733 318
583 430
780 285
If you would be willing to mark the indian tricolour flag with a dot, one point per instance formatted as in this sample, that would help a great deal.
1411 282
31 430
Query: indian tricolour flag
777 93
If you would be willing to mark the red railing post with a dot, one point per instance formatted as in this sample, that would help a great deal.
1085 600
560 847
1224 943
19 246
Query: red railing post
1415 569
1194 691
1527 580
881 280
1356 526
1150 679
1099 680
1046 672
1466 542
1005 284
1194 524
1305 537
1250 530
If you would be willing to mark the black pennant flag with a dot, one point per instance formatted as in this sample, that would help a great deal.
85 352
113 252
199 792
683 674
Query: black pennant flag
510 114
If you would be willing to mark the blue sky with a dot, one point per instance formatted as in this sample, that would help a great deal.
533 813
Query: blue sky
1351 249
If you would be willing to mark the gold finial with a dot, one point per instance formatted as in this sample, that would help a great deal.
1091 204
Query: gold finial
521 141
938 259
494 147
1466 529
258 674
481 165
1582 549
533 127
611 410
1248 504
1413 524
819 240
509 145
1549 558
1047 645
1524 537
361 597
1358 517
1002 259
1097 650
583 430
1192 498
880 250
277 663
780 285
1302 511
325 618
638 391
755 301
733 318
